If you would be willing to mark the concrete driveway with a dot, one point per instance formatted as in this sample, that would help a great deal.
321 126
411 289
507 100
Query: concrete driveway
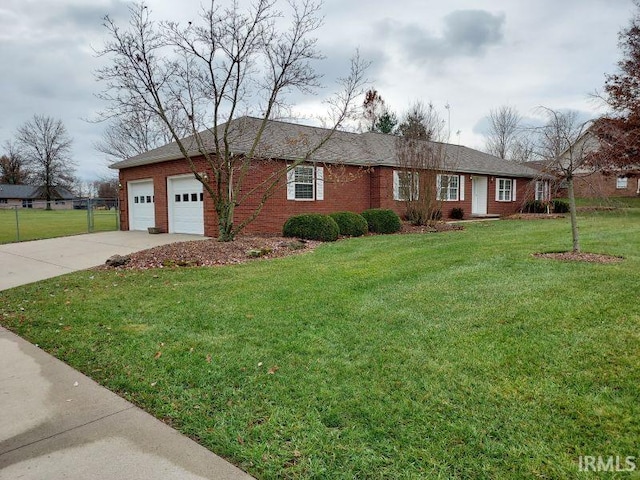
57 423
28 262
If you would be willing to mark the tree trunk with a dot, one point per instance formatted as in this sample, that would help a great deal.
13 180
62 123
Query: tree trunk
225 222
574 217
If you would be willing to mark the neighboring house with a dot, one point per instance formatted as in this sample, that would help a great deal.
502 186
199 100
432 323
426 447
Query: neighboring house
28 196
593 181
352 172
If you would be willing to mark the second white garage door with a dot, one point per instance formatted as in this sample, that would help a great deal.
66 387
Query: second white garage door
186 212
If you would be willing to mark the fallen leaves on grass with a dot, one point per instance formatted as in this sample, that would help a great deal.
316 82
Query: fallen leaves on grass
580 257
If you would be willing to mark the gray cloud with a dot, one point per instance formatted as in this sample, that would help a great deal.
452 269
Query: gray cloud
466 33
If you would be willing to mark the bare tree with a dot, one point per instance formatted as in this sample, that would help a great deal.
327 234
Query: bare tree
421 157
132 133
422 122
46 147
200 77
565 148
13 168
504 132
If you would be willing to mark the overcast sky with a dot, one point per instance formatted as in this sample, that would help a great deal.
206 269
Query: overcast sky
473 55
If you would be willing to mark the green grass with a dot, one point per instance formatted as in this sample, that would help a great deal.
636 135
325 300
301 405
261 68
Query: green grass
452 355
618 202
39 223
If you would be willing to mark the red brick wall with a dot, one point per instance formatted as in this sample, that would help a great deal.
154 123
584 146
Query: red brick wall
598 185
346 188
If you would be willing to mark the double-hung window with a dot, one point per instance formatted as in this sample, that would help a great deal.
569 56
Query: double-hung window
542 189
448 188
505 190
305 182
621 183
405 185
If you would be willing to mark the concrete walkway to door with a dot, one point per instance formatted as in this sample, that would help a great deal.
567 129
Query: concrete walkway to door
27 262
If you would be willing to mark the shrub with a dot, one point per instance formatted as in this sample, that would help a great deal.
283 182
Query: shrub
312 227
350 224
416 216
435 215
457 213
560 206
381 220
534 206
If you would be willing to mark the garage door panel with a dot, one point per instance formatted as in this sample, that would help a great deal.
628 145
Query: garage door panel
141 205
186 201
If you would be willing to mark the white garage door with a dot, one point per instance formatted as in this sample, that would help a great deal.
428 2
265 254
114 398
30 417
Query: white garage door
186 212
141 205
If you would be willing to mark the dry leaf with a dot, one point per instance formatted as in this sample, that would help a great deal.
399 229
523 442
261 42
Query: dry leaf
259 364
153 384
157 355
273 370
297 454
240 440
208 358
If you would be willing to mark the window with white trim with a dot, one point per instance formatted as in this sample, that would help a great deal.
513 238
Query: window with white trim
405 185
542 187
622 182
448 188
504 188
305 182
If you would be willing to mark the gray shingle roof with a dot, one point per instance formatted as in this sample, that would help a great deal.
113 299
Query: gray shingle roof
26 192
290 141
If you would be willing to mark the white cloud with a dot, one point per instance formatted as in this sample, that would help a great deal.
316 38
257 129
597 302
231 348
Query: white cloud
473 54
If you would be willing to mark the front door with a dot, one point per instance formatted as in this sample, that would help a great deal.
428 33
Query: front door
479 195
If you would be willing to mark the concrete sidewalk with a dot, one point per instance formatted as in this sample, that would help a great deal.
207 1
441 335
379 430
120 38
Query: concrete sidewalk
57 423
27 262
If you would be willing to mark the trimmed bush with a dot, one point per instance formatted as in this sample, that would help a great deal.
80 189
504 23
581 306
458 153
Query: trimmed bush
381 220
457 213
534 206
560 206
350 224
312 226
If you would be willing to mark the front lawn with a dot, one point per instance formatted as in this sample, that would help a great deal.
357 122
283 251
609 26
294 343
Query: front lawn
449 355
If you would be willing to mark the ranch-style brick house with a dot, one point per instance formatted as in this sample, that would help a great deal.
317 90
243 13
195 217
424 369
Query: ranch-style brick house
350 172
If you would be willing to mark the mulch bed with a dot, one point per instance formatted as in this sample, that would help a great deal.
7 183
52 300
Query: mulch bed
580 257
243 249
212 252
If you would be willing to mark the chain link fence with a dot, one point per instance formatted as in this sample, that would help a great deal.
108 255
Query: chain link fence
24 220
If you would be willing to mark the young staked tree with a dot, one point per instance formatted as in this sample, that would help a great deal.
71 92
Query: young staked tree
421 157
199 77
13 168
45 145
619 132
566 149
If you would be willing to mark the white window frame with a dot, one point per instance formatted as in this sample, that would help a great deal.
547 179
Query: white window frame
622 183
402 185
451 193
542 190
504 194
317 183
